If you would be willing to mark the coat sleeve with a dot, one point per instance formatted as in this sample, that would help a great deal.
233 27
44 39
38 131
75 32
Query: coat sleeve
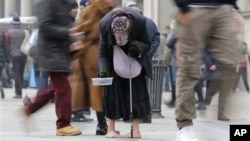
104 64
144 37
155 41
47 24
6 50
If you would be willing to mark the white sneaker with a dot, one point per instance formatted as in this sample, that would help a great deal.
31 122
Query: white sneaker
186 134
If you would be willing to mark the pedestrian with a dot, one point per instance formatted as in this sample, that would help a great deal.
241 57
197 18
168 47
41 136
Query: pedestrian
4 58
164 53
14 38
243 67
53 56
77 114
201 21
171 43
41 77
85 62
123 34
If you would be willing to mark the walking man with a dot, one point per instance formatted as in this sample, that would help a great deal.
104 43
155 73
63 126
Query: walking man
211 21
53 56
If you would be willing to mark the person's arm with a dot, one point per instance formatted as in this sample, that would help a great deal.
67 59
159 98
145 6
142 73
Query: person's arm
155 42
103 57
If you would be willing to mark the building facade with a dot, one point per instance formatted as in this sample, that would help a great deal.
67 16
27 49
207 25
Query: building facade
160 11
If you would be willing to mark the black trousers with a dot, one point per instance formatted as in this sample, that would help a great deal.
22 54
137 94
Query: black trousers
18 64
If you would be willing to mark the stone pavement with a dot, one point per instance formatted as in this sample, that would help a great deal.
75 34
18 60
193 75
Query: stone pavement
42 124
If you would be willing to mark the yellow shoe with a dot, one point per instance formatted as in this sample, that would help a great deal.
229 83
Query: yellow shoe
68 131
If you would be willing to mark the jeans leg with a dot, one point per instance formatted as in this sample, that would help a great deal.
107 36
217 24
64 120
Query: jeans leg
61 86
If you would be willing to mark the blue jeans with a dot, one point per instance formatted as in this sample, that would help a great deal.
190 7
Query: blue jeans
42 80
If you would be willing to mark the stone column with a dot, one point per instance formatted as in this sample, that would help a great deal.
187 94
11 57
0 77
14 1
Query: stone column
26 8
150 9
9 7
1 8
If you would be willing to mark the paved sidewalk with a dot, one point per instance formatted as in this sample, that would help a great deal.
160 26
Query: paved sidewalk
207 127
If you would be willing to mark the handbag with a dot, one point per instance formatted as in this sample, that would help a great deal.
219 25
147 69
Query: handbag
26 44
121 64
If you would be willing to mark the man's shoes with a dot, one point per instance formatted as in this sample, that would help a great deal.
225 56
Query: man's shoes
170 104
201 106
77 116
18 96
68 131
186 134
86 112
222 117
81 119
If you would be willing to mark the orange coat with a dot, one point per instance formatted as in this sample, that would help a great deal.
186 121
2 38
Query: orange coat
84 94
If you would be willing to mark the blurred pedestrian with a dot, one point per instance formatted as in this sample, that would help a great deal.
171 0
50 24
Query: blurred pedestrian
216 25
14 38
243 67
164 53
77 114
85 62
53 56
123 33
171 43
4 58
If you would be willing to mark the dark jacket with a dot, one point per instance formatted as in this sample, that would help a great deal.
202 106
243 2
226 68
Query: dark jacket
183 4
53 39
15 40
138 32
154 36
3 49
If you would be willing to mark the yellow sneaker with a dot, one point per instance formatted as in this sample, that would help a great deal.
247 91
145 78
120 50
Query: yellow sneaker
68 131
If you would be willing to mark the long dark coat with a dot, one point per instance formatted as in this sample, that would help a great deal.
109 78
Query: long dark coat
53 39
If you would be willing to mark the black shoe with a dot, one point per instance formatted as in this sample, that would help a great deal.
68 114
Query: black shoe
81 119
87 112
101 129
17 96
170 104
201 106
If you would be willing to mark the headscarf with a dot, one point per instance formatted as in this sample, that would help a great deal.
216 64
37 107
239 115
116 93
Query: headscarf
120 28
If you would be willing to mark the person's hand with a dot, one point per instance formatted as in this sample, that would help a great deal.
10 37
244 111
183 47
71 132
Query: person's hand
78 35
76 46
73 30
213 67
185 18
133 51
